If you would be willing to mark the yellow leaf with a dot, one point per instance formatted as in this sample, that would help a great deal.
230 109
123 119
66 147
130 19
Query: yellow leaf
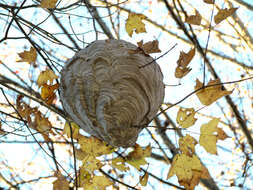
45 76
75 130
84 176
185 117
182 71
34 117
188 170
187 145
60 183
221 134
80 155
43 124
194 19
90 164
209 95
223 14
98 183
144 179
47 92
28 56
23 109
149 47
209 1
94 147
134 23
196 175
208 136
183 62
119 163
48 4
136 158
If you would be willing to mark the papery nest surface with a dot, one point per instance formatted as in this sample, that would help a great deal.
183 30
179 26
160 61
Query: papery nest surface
104 90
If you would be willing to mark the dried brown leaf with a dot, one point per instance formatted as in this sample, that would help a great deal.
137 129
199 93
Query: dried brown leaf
48 94
185 117
210 94
194 19
149 47
182 63
48 4
223 14
144 179
208 137
28 56
45 76
209 1
221 134
188 170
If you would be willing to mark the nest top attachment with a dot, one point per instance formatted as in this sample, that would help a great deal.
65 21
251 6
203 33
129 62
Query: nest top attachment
106 93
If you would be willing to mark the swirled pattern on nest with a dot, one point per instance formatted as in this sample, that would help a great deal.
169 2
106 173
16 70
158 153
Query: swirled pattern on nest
106 93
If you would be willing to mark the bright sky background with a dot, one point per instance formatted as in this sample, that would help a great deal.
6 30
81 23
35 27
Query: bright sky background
18 154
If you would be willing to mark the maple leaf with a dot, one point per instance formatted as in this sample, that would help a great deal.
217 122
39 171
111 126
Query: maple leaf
223 14
94 147
48 94
185 117
149 47
80 155
1 130
45 76
205 173
28 56
136 158
75 130
60 183
208 136
35 119
23 109
144 179
194 19
188 170
187 145
209 1
182 63
210 94
181 71
90 163
48 4
98 183
43 125
185 58
84 176
134 23
119 163
221 134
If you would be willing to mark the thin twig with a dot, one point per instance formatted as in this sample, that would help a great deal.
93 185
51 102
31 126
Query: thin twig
158 57
28 128
74 154
203 87
114 179
208 38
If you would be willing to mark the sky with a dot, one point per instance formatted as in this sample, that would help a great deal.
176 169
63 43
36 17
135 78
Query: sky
216 164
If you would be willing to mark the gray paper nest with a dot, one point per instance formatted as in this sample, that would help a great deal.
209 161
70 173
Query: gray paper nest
106 93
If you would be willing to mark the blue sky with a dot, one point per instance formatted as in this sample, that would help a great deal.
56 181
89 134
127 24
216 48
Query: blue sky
230 159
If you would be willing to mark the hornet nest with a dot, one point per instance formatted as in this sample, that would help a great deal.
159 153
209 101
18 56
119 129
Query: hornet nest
108 95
